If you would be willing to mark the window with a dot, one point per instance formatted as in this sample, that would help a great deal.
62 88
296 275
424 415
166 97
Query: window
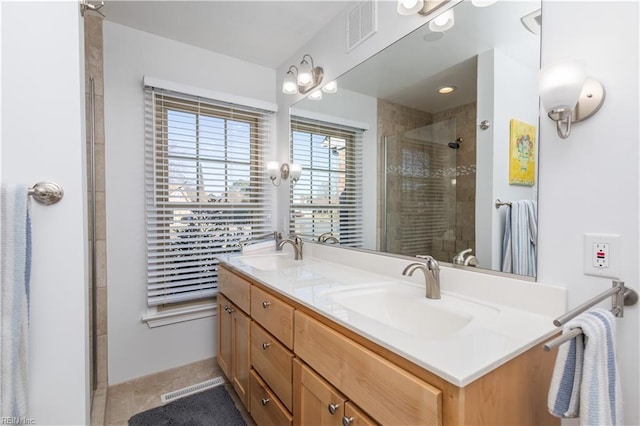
328 196
206 190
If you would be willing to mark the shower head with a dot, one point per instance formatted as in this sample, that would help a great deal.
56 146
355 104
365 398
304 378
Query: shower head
455 144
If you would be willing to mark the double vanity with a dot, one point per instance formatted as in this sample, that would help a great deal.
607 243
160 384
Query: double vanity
342 337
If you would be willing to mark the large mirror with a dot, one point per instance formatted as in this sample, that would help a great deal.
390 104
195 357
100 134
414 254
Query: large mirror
390 164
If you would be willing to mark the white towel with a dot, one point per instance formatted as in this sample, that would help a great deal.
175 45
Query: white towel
520 236
15 266
586 383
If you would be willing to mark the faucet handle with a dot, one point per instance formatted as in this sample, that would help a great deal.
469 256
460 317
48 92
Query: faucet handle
432 263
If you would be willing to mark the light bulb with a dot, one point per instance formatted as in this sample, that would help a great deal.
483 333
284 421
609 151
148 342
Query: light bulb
289 85
560 85
442 22
409 7
316 95
305 74
295 170
331 87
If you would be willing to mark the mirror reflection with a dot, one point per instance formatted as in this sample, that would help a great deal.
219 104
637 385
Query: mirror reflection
397 159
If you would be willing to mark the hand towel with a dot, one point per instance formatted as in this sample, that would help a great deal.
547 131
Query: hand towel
520 237
588 386
15 266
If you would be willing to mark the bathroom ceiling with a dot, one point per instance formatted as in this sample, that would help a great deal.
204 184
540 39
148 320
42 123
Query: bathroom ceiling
262 32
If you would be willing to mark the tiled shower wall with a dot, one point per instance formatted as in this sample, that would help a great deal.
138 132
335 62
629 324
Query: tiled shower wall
465 237
394 119
94 68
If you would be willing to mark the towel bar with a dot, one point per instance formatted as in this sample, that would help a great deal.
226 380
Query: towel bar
621 296
46 193
502 203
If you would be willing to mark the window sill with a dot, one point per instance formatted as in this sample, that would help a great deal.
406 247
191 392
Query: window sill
153 318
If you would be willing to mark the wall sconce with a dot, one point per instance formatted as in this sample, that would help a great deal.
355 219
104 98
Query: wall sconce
278 171
302 79
423 7
568 95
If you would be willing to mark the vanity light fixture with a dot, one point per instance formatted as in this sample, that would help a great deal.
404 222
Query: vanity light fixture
442 22
568 95
304 78
278 172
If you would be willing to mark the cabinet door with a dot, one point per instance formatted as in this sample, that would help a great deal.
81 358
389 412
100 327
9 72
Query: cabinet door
319 403
353 416
240 361
224 335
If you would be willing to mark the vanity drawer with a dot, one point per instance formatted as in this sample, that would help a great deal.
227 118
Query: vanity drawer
273 362
383 390
266 409
234 288
273 314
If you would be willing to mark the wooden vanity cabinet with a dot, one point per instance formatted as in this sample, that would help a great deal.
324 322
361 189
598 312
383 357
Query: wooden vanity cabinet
288 363
319 403
266 409
233 346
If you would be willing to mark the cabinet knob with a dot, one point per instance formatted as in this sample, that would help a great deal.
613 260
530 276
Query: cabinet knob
230 310
265 401
226 308
347 421
333 408
266 304
265 345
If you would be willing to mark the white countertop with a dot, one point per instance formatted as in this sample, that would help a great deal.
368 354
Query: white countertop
488 319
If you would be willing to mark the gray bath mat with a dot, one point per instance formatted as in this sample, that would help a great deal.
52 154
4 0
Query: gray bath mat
210 407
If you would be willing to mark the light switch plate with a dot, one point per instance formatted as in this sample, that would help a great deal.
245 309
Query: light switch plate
602 255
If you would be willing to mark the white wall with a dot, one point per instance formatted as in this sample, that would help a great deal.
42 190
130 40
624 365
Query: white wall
43 139
499 78
135 350
590 182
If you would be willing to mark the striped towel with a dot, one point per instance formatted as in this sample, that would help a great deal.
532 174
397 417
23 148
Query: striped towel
15 267
520 236
586 380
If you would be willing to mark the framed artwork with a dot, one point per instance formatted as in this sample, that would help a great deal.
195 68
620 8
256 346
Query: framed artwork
522 153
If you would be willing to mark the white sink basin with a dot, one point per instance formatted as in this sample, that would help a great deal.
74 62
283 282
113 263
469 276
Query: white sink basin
405 309
270 261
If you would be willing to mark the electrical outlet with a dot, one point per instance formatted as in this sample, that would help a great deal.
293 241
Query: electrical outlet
602 255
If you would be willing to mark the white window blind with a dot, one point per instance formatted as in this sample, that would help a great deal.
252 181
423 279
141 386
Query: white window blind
206 190
328 196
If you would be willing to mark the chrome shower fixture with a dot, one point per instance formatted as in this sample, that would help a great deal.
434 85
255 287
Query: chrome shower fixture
455 144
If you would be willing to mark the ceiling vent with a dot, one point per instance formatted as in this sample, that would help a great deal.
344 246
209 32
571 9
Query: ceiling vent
362 23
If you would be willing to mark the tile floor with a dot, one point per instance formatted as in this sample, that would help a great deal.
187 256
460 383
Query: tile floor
126 399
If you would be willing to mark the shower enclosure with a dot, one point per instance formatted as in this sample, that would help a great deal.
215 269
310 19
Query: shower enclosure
419 200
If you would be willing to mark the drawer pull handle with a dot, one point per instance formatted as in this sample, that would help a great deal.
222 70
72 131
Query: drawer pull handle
265 401
265 345
347 421
266 304
333 408
230 310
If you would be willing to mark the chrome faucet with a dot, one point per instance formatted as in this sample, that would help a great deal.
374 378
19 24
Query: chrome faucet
296 243
458 259
431 270
327 237
462 258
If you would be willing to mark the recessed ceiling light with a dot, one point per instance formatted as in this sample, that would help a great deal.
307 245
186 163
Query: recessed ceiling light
445 90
